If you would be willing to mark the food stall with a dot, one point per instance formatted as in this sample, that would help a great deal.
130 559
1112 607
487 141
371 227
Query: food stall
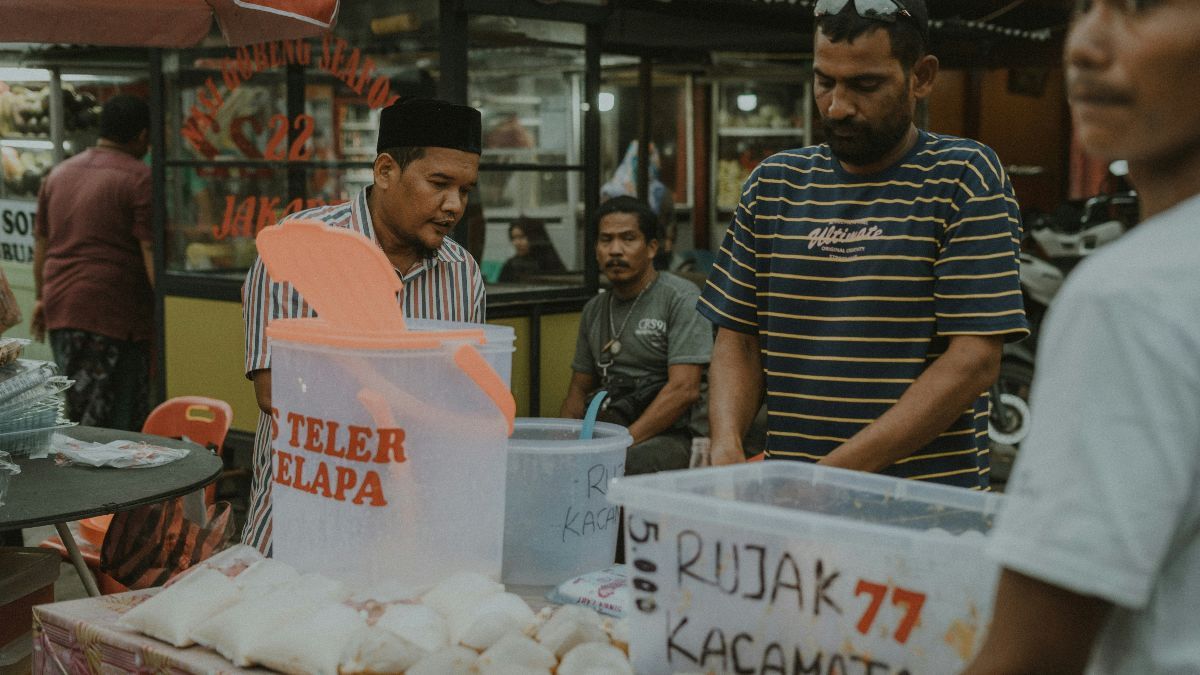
248 134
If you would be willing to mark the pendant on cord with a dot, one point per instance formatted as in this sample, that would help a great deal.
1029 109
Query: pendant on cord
613 347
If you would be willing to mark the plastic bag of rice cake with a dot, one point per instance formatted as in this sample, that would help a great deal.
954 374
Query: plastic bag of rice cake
237 629
174 612
309 641
375 649
264 575
231 562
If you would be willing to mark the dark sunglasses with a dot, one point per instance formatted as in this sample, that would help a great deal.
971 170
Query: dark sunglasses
883 10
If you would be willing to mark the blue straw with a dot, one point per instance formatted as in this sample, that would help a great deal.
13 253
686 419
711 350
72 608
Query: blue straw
589 420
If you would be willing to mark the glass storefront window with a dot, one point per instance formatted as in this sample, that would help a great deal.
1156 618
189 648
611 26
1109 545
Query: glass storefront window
526 78
258 132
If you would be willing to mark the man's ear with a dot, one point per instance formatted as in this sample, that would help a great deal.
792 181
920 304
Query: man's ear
386 170
924 73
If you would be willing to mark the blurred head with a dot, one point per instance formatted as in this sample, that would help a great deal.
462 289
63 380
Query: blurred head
527 235
1132 79
869 72
626 240
125 120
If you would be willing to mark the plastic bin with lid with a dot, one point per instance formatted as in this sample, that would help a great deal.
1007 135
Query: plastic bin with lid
795 567
390 457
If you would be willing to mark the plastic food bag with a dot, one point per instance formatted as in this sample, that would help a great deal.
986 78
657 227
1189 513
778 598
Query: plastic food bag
116 454
171 615
7 470
604 591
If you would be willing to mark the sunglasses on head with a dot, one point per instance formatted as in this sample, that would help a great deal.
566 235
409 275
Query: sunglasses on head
882 10
1127 6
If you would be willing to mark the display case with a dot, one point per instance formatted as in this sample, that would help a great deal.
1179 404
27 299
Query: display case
753 119
526 78
46 115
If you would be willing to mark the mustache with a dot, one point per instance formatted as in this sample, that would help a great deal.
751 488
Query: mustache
615 263
844 125
1080 88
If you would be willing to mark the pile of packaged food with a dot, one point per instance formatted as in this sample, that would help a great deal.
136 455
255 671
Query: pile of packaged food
31 403
257 611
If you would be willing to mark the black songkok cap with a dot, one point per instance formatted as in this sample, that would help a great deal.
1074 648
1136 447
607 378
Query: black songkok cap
427 122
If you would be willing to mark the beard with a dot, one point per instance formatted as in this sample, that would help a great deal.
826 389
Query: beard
867 143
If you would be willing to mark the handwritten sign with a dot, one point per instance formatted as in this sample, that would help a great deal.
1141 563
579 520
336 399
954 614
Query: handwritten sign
16 230
559 522
817 600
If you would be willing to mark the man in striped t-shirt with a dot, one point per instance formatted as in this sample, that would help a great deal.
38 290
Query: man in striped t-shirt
427 164
867 284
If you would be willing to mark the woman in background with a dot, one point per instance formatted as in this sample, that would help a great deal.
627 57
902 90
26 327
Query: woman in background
535 253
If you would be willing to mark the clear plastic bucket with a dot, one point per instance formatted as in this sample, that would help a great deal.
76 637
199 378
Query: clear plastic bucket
388 464
497 351
558 520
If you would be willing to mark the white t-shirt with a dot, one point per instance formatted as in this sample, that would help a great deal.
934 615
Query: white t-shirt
1105 494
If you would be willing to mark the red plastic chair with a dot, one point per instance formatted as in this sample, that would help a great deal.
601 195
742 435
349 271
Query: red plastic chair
202 420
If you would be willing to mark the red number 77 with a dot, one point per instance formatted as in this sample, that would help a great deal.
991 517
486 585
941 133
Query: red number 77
912 601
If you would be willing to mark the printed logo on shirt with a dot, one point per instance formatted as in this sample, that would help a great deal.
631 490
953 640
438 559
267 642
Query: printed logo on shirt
843 238
653 331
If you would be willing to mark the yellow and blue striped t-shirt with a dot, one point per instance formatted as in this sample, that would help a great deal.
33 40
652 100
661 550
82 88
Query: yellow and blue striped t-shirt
854 285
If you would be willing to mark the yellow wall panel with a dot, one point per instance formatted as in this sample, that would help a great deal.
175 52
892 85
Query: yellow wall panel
204 351
558 348
20 279
520 364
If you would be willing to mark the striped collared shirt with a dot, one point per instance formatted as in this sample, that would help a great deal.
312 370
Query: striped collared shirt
448 287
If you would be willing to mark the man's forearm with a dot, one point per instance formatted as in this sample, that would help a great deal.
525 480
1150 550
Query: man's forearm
735 381
937 398
672 402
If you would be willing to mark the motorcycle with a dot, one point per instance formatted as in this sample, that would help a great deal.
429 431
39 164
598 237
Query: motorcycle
1054 245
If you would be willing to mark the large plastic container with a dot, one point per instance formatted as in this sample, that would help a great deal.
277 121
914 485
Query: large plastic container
791 567
497 349
558 522
390 453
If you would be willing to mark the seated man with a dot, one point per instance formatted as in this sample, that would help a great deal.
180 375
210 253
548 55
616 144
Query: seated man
643 342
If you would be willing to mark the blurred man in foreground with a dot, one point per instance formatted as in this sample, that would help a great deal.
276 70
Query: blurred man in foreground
1100 540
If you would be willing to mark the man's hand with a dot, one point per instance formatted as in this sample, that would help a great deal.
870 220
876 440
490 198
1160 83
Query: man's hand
37 322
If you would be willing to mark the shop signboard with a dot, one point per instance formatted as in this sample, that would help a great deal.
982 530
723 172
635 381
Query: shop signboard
16 230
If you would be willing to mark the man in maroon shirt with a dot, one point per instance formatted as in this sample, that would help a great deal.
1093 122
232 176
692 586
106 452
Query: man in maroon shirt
93 270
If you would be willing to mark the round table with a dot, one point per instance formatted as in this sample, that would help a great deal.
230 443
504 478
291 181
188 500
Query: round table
45 493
